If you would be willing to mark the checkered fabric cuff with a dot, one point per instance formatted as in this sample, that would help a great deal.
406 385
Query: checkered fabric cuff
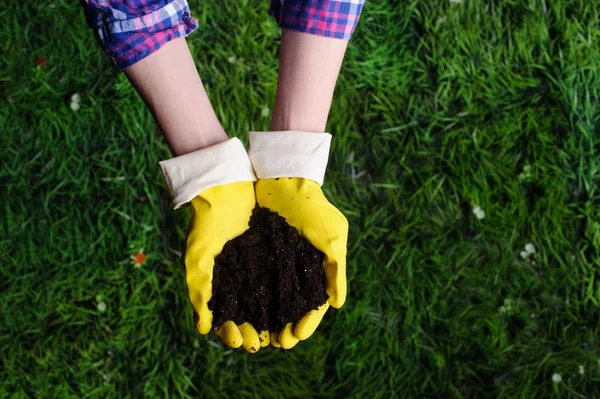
329 18
128 40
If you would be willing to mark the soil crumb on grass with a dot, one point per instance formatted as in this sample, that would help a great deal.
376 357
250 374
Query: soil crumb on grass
269 276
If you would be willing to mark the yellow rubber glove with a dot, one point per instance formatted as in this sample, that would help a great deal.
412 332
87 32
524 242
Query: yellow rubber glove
219 214
302 203
218 182
290 167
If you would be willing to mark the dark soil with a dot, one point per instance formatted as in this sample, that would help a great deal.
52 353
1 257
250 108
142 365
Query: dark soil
269 276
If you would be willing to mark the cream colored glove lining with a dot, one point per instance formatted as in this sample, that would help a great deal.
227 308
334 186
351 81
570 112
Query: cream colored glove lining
190 174
290 154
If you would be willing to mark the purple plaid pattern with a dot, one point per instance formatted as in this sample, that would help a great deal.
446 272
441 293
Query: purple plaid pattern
330 18
130 30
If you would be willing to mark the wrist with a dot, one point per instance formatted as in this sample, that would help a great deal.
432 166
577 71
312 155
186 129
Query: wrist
299 119
196 139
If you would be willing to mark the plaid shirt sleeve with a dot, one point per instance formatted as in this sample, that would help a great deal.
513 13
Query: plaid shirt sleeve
329 18
129 30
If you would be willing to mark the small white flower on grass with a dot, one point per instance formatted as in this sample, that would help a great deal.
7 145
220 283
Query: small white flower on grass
232 59
75 102
455 1
529 250
479 213
441 20
101 306
556 378
581 369
507 308
526 174
265 111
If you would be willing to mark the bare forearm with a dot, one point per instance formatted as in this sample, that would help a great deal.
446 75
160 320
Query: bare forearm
168 82
308 71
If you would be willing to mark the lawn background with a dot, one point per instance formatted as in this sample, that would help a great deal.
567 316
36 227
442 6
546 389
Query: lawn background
440 107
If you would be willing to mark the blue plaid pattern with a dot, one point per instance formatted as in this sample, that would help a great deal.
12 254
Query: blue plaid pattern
329 18
129 30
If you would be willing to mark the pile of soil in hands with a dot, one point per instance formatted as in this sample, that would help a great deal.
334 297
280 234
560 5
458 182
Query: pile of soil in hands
269 276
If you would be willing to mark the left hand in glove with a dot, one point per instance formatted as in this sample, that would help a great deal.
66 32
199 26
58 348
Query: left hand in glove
218 181
290 167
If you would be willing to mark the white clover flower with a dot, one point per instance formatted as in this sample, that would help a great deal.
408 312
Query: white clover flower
102 306
441 20
265 111
581 369
232 59
524 254
530 248
479 212
455 1
75 102
526 172
556 378
507 308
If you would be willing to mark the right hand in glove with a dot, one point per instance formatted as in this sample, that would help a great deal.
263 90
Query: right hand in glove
290 167
218 181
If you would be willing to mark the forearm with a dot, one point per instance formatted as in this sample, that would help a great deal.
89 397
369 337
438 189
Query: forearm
308 71
168 82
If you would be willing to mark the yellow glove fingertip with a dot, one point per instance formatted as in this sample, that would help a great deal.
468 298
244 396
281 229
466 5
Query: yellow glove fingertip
307 325
229 334
251 342
337 298
275 339
203 320
265 338
335 273
287 339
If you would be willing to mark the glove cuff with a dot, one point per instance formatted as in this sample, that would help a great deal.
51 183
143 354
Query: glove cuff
291 153
190 174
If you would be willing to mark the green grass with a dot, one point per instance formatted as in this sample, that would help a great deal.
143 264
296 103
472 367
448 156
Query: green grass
439 108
